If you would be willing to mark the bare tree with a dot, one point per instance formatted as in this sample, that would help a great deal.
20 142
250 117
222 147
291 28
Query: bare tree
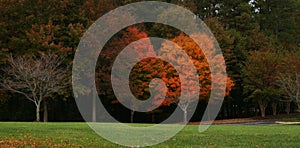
289 79
290 85
35 77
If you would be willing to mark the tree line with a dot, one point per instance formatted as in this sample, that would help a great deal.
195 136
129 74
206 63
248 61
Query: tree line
259 39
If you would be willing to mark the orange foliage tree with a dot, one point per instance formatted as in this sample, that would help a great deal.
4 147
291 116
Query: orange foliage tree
151 68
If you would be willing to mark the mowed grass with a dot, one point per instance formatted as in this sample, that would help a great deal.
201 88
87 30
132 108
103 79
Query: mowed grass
32 134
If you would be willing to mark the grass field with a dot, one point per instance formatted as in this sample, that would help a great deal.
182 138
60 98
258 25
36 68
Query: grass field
32 134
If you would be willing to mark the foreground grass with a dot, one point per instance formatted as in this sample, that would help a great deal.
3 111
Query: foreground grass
20 134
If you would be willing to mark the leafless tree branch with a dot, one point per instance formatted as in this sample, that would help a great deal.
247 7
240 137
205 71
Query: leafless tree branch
35 77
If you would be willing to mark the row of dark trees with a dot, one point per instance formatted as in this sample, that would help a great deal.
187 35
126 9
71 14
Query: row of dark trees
259 38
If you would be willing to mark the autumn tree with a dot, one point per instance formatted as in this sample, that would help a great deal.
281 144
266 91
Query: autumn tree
202 66
289 79
156 68
36 78
240 26
261 73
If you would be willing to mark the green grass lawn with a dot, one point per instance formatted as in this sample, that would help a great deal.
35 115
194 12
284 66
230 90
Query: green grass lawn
20 134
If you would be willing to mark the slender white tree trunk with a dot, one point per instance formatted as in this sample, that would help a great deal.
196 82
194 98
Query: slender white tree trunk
184 107
131 116
94 109
185 116
38 112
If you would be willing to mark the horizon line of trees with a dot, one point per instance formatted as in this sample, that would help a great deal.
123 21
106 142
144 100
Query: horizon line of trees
260 41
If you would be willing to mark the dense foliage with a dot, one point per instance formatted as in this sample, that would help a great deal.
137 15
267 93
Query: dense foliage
258 39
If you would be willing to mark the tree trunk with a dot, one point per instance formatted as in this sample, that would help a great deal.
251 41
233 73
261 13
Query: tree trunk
263 111
94 109
38 113
184 107
274 107
131 116
45 111
288 107
185 116
262 106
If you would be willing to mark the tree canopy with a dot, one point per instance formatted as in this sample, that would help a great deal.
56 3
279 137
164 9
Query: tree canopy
259 39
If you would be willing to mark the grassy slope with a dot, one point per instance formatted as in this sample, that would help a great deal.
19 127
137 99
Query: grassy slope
79 134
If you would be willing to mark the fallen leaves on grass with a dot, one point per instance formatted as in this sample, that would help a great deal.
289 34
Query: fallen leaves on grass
33 142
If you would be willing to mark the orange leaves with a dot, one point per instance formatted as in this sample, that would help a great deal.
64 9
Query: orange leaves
152 68
229 85
134 31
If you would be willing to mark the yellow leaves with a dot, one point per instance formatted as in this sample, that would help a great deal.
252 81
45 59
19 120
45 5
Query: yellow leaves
76 29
